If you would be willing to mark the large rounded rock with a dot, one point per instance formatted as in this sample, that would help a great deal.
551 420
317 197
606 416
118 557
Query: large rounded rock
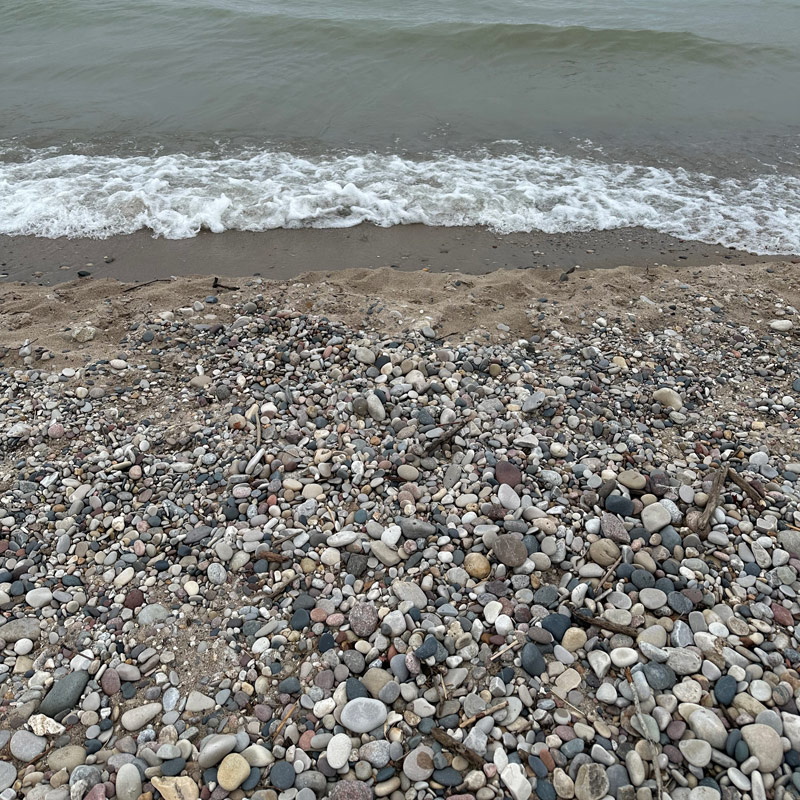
765 745
232 772
418 764
136 718
604 552
64 693
591 782
363 619
363 714
510 550
129 782
25 746
338 750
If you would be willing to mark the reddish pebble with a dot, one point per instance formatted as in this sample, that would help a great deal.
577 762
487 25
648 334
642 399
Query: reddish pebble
782 615
56 431
134 599
335 620
304 743
110 682
97 792
547 760
318 615
507 473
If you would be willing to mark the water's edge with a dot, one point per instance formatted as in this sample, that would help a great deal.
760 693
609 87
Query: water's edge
54 194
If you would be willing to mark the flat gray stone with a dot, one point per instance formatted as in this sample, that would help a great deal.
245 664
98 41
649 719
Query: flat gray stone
405 590
363 714
64 693
22 628
8 774
25 746
136 718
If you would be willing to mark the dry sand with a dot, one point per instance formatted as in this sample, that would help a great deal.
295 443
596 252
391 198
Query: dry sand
389 301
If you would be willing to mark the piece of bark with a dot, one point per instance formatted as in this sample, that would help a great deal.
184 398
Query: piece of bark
746 487
713 499
605 625
454 746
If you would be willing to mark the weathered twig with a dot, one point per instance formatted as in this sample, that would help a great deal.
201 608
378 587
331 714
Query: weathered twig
433 445
444 739
609 571
485 713
276 558
713 499
505 650
146 283
284 720
596 622
218 285
746 487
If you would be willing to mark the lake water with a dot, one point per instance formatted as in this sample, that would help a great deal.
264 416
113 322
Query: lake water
682 117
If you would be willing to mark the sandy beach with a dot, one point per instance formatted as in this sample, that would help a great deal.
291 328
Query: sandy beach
283 254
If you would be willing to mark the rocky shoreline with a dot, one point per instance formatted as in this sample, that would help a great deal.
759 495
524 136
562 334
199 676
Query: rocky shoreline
251 551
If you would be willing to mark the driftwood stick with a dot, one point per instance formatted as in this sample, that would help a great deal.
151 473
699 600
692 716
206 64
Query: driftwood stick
746 487
508 647
218 285
284 720
146 283
610 571
596 622
485 713
454 746
454 429
713 499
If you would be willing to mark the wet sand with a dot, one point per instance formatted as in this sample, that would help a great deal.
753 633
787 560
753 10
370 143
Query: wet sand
284 254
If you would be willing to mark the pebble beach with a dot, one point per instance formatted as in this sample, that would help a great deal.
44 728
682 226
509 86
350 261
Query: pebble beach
524 535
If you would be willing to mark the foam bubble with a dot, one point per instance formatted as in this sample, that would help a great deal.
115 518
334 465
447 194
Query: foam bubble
51 194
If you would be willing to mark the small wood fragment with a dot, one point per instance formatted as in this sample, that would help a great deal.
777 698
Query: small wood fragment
454 746
713 499
284 720
596 622
146 283
485 713
218 285
505 650
746 487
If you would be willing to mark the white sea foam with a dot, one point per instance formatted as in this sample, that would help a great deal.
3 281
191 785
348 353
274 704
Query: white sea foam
175 196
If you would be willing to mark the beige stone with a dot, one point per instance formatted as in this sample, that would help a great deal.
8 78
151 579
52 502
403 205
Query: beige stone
232 772
181 788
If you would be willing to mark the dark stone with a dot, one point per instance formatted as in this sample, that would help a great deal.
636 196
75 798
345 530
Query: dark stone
679 603
300 619
532 660
173 767
659 676
557 624
510 550
282 775
507 473
617 504
448 776
64 693
427 648
725 690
